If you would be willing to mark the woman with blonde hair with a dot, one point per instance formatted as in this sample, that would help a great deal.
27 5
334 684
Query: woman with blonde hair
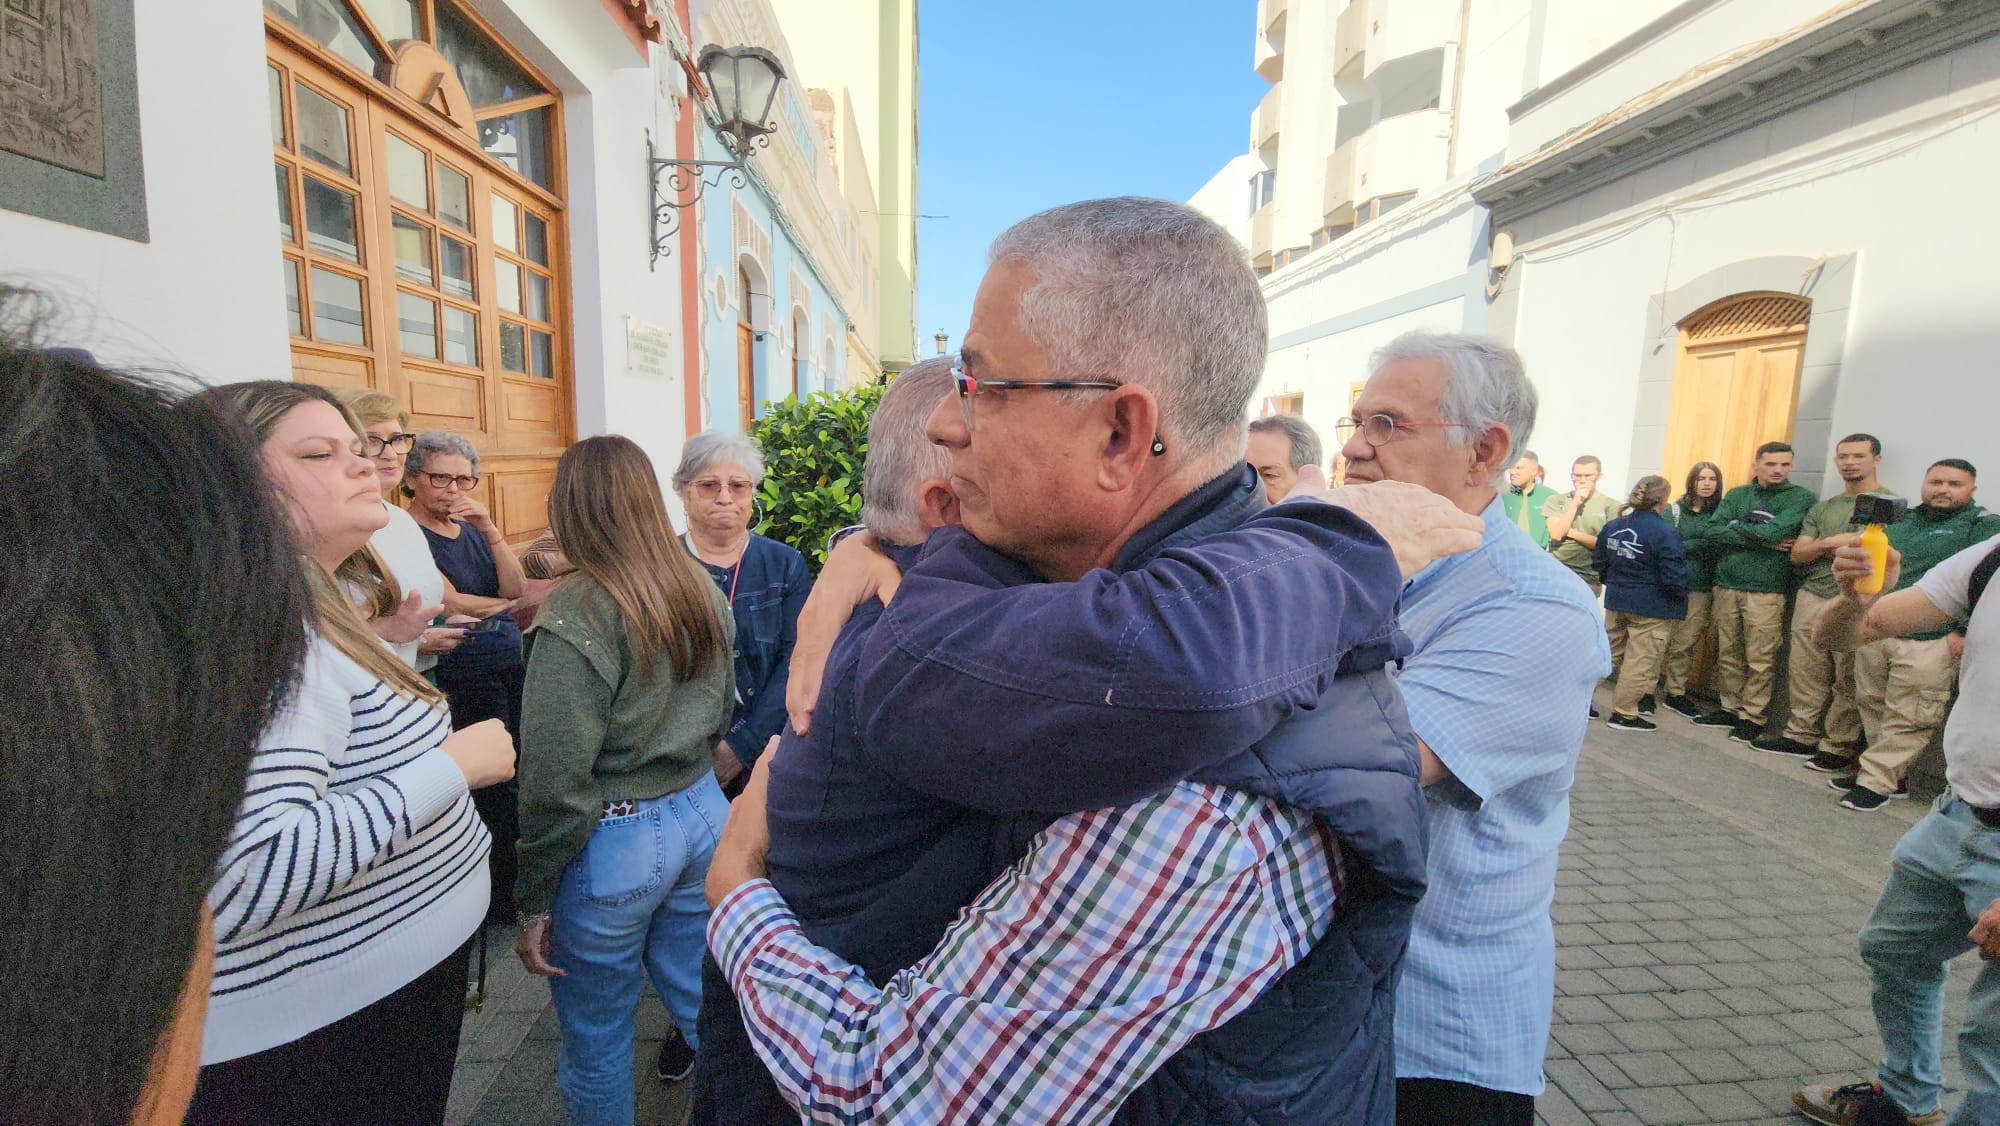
400 544
1639 558
630 685
356 871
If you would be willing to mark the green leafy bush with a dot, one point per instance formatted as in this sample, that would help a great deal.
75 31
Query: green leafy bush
813 453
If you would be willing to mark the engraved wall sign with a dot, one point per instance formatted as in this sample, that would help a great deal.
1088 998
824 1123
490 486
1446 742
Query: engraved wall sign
51 104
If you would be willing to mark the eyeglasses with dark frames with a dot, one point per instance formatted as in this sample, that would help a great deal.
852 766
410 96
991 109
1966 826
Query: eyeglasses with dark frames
447 480
969 385
401 443
1380 429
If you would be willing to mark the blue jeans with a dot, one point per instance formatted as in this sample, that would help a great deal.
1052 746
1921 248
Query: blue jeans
631 902
1947 869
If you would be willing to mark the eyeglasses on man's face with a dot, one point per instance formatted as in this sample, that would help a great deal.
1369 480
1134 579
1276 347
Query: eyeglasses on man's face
1381 429
380 445
447 480
711 488
969 386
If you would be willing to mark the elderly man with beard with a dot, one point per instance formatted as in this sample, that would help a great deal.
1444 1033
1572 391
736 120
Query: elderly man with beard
1115 616
1499 734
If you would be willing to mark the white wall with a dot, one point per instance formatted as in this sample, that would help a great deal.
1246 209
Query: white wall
1226 198
202 296
1897 173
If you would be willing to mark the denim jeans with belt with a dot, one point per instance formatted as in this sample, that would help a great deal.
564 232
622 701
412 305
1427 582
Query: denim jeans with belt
1946 870
630 903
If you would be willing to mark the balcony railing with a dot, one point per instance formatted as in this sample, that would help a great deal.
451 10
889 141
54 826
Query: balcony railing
1350 38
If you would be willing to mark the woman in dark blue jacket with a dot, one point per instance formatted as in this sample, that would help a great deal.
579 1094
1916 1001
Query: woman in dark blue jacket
1639 558
765 581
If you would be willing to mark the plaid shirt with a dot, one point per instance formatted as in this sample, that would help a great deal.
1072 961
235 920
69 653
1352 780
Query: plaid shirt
1119 937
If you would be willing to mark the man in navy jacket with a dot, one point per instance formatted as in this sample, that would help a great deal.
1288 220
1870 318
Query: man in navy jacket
1183 654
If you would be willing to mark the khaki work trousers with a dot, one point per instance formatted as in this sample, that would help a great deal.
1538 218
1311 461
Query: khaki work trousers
1823 710
1638 645
1903 688
1687 634
1749 631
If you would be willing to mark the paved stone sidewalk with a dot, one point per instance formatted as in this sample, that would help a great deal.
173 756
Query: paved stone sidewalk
1705 920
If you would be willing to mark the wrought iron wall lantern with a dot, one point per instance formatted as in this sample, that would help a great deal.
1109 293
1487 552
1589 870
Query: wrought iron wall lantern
741 84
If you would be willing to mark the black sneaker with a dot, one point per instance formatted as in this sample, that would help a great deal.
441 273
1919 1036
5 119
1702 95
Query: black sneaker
1861 799
1716 718
1783 745
1648 705
1685 705
1847 782
1857 1104
1744 731
676 1058
1593 711
1829 763
1630 723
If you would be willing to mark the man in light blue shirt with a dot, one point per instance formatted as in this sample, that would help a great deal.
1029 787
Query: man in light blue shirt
1509 647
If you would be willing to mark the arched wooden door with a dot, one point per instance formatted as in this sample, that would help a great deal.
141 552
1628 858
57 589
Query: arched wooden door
418 166
1737 385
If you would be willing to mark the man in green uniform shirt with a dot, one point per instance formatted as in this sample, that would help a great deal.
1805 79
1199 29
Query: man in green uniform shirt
1751 541
1824 721
1574 518
1903 684
1526 498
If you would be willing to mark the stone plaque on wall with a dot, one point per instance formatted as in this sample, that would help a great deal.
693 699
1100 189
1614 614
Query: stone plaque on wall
51 106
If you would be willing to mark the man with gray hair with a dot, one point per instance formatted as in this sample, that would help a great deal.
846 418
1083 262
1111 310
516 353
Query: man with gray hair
1280 445
1115 616
906 483
1499 735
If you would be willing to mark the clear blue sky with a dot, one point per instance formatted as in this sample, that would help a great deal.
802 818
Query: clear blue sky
1025 104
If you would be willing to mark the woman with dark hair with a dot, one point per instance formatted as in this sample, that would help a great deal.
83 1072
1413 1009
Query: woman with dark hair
629 688
128 730
357 870
765 581
1639 559
482 676
1695 510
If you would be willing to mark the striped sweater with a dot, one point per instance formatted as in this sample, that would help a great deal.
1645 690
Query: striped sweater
357 861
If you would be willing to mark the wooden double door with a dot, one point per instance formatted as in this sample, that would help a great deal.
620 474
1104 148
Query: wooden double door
1737 384
413 263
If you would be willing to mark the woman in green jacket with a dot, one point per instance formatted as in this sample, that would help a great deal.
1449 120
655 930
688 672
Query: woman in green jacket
1695 511
629 689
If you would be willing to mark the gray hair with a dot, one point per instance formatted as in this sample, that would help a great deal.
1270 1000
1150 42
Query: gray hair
711 447
900 455
1152 293
1485 385
1304 439
431 443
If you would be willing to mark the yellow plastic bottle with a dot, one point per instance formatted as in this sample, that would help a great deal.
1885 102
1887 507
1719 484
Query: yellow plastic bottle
1875 540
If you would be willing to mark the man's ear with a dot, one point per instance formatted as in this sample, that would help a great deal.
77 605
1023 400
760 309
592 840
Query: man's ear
937 505
1131 417
1489 451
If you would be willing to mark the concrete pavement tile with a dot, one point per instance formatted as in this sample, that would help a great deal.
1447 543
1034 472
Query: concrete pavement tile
1803 998
1832 1056
1628 954
530 1069
469 1083
1576 934
1692 1003
1713 1065
1652 1069
1588 1039
1640 1036
1604 1071
1724 1102
1581 1087
1686 977
1633 979
1579 958
1721 928
1677 953
1618 897
1758 1030
1573 913
1580 983
1725 950
1671 930
1751 1001
1582 1010
1661 1106
1616 931
1702 1032
1553 1108
1770 1061
1640 1006
1740 975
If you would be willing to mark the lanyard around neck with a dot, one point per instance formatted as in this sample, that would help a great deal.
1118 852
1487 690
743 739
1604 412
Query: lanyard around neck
736 572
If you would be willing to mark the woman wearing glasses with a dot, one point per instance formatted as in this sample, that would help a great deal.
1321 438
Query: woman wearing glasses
482 677
400 544
765 582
